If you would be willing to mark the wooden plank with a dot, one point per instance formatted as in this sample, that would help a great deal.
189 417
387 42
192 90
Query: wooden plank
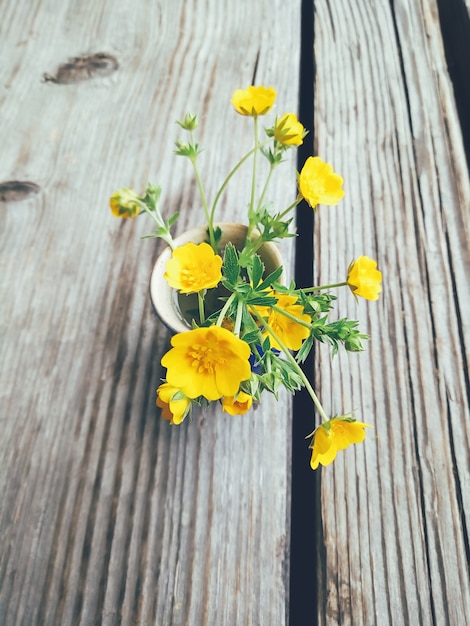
395 511
110 515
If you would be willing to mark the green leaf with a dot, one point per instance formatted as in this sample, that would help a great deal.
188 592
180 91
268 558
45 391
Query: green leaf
266 347
260 300
343 331
172 219
231 269
251 336
257 270
152 196
248 323
217 234
243 288
316 303
304 351
270 279
190 150
290 377
270 381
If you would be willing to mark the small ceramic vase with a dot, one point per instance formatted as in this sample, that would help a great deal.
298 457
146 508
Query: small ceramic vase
165 299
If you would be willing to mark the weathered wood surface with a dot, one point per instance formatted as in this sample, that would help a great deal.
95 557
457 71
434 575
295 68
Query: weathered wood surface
108 514
396 511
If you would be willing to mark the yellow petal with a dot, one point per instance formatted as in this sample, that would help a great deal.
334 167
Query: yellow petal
319 184
173 410
324 450
347 432
289 332
193 267
253 101
210 362
237 405
364 279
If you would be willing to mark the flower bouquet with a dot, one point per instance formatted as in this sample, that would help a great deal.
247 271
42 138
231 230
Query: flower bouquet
248 330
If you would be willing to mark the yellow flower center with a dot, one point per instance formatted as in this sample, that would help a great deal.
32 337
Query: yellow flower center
206 359
189 277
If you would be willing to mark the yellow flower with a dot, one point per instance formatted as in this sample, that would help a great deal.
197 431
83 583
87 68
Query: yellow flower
193 268
209 362
289 332
253 101
319 184
336 434
174 404
237 405
289 131
124 203
364 279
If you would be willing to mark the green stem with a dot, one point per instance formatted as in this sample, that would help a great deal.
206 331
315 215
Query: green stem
255 163
250 248
238 320
290 207
200 299
290 316
205 205
321 287
231 174
269 365
266 185
155 215
297 367
224 310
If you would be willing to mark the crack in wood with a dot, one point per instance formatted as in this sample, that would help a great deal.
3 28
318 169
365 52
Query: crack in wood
255 69
454 19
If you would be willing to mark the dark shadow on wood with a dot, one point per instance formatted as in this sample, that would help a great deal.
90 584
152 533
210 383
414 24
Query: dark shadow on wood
305 482
455 27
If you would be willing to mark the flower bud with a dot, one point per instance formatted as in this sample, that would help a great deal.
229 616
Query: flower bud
125 203
189 122
289 131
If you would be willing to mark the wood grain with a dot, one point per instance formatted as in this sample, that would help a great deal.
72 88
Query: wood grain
109 515
395 511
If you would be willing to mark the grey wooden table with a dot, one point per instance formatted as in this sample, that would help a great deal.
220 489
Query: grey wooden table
108 514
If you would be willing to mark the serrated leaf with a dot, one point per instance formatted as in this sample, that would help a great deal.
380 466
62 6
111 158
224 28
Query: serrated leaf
257 270
231 269
228 285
